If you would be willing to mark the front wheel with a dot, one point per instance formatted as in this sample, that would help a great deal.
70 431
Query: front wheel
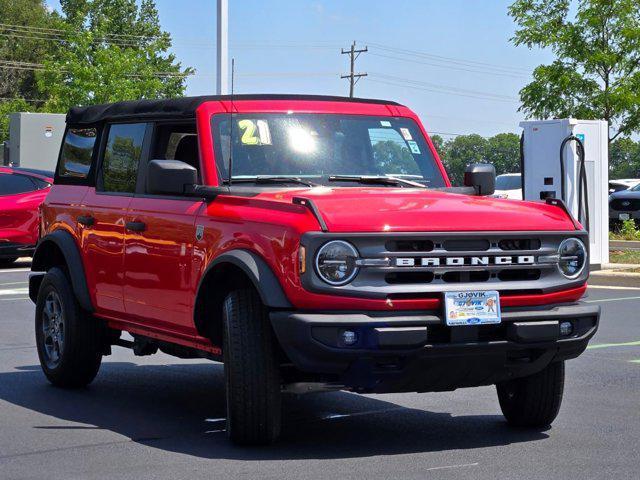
533 401
68 338
252 373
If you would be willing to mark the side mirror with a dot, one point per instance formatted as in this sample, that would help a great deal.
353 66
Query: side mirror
170 177
482 177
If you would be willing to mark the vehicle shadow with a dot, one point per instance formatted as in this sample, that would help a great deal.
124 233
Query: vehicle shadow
180 408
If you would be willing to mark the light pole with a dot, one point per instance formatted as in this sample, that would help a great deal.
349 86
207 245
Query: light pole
222 47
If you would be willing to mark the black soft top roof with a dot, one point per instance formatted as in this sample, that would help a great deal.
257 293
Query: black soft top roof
183 107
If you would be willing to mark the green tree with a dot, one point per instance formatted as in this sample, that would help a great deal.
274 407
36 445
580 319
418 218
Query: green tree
19 49
596 74
503 150
460 152
113 50
18 46
624 158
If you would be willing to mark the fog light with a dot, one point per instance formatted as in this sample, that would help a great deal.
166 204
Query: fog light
349 337
566 328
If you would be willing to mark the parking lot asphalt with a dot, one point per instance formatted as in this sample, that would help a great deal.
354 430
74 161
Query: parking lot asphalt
160 417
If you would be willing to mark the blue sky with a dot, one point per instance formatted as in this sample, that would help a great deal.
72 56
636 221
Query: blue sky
293 46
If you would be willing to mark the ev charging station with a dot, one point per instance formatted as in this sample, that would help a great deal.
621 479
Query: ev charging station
553 167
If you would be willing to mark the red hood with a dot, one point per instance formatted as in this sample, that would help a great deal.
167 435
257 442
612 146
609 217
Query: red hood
416 210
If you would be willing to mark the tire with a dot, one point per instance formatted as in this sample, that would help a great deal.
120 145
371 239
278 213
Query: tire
533 401
5 262
68 339
252 373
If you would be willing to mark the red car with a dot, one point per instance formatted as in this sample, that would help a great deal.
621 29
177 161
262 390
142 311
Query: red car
22 191
309 244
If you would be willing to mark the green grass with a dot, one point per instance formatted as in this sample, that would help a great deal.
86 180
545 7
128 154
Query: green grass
627 256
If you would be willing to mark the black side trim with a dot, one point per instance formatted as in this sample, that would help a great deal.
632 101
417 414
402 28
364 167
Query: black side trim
67 245
261 275
556 202
308 203
35 279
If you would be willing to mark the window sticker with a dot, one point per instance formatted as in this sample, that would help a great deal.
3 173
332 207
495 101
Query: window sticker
385 123
406 134
264 133
254 132
414 147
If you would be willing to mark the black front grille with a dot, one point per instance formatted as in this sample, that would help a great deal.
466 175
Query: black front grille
405 278
519 244
409 245
625 204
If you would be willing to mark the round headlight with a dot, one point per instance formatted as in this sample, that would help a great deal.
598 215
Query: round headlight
336 262
573 257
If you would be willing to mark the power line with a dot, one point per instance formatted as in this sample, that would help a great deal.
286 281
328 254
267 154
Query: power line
353 56
451 67
398 81
436 91
457 61
16 65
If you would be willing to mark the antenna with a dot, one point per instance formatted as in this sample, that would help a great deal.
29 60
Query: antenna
233 72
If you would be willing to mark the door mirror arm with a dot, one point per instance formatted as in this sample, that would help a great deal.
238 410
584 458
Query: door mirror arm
204 191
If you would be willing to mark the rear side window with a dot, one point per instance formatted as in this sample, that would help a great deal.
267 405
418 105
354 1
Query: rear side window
122 156
76 154
12 184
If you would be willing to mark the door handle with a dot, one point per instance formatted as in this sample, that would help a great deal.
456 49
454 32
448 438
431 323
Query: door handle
136 226
86 220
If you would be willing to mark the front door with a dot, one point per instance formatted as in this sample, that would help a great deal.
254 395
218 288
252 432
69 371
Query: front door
159 283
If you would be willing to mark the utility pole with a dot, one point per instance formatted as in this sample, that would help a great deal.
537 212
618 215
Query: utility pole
222 47
353 77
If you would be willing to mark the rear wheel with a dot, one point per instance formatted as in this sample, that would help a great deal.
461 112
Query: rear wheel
69 340
533 401
252 373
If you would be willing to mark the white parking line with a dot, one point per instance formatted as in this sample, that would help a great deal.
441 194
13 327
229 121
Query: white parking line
612 287
13 299
14 291
13 270
13 283
462 465
612 299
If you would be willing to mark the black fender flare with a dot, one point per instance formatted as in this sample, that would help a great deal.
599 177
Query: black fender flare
264 280
64 241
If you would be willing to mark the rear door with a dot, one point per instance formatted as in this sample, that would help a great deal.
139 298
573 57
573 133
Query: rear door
159 284
103 218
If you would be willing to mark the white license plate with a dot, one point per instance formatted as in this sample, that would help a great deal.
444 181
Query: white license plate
472 308
624 216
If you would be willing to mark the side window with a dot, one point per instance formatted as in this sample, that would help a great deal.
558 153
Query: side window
77 150
177 142
11 184
391 153
122 156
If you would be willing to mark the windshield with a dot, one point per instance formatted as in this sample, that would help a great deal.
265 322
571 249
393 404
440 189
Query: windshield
316 147
508 182
636 188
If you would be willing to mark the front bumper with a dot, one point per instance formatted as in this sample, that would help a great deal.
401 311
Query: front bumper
614 215
418 352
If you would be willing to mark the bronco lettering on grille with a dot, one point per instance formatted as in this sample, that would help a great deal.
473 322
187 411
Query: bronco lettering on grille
465 261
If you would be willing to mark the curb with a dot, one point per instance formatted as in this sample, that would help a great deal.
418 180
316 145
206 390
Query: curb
624 245
616 275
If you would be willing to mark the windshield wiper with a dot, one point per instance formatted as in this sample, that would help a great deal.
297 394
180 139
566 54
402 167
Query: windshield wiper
375 179
273 179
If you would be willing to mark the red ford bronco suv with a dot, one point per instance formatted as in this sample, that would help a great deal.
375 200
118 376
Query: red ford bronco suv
309 243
